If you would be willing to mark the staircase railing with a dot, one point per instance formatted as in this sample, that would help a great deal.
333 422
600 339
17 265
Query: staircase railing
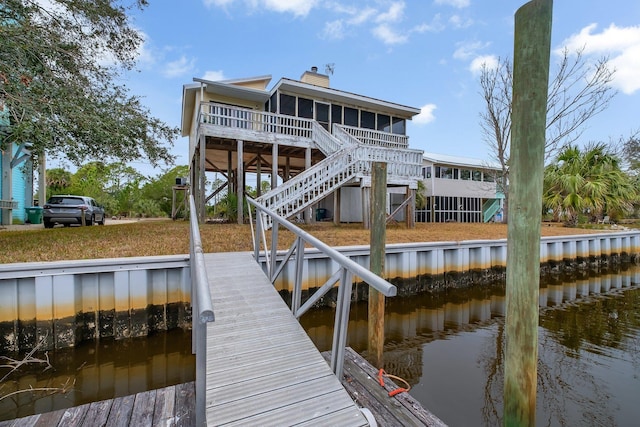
312 185
489 209
347 269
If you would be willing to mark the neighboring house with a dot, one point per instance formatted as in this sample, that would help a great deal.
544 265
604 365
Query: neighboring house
460 189
16 181
314 142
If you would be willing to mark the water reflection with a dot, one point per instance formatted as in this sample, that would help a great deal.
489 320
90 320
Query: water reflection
450 347
102 370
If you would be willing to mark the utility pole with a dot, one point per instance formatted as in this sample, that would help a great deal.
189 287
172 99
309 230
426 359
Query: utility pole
530 86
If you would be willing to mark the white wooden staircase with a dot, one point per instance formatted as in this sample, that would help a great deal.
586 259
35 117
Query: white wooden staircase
348 159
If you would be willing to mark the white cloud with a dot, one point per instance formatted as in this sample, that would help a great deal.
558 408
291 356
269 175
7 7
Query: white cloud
387 35
333 30
620 44
457 21
296 7
434 26
460 4
180 67
214 75
362 16
426 114
467 50
489 61
394 14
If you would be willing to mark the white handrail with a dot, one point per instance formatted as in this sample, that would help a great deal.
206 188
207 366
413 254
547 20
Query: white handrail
202 311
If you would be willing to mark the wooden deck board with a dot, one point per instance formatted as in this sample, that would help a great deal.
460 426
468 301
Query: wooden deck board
169 406
262 368
361 381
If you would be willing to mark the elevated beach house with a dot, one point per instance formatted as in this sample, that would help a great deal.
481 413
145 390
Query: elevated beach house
313 143
460 189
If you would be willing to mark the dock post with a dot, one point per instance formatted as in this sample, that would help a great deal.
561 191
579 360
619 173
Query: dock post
378 224
529 110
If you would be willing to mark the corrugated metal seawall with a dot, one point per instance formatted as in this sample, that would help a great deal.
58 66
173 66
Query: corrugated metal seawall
459 263
63 303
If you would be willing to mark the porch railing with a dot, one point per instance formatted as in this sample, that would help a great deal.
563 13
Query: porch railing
347 269
202 311
378 138
254 120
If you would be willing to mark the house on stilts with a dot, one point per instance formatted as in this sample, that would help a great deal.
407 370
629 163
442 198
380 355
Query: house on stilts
315 143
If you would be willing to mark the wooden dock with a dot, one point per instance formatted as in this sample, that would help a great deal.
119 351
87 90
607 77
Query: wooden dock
262 368
361 381
169 406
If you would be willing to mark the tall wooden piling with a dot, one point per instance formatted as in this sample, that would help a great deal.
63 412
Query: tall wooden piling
378 233
530 85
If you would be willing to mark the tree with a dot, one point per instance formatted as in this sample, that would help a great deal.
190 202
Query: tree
631 151
58 65
160 189
588 182
58 182
577 92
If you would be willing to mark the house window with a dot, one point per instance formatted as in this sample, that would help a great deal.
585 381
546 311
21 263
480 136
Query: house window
465 174
367 120
444 172
488 177
274 103
384 123
426 172
477 176
287 105
305 108
350 116
322 114
336 114
398 126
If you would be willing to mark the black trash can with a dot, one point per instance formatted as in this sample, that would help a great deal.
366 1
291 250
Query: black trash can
321 213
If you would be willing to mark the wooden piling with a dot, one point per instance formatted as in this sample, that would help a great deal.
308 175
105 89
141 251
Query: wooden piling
530 85
378 225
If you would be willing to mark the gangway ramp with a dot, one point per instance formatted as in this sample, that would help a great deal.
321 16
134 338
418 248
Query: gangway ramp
262 368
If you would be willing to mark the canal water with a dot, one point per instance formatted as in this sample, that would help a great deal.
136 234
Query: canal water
450 347
96 370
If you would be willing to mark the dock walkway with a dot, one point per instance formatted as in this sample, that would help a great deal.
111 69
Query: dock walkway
262 368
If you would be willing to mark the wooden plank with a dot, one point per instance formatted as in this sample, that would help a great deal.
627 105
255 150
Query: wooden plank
143 406
49 419
408 401
120 411
185 404
165 409
98 413
73 416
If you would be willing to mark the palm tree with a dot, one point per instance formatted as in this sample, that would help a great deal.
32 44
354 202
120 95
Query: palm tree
589 181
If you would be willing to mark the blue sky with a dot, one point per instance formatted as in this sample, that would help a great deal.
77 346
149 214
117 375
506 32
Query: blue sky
421 53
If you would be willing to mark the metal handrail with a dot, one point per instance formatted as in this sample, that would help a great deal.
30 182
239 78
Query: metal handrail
202 310
347 269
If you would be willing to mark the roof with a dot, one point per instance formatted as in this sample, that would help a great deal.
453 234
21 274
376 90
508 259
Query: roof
344 97
460 161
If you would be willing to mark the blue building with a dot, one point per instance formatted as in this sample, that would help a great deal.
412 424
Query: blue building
16 179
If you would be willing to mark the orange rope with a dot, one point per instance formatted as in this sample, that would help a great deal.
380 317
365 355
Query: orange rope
382 374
